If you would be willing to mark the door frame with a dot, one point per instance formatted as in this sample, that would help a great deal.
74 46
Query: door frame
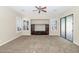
65 26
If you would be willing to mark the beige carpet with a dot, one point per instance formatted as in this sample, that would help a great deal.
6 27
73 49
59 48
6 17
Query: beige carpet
39 44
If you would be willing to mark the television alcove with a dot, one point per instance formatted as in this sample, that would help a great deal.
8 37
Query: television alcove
43 29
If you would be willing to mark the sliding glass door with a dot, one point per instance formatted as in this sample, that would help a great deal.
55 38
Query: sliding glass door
69 28
66 27
63 27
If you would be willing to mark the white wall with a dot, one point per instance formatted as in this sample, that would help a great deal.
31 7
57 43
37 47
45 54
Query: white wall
8 25
36 15
75 12
39 21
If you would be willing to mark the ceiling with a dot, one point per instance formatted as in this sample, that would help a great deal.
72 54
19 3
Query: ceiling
52 11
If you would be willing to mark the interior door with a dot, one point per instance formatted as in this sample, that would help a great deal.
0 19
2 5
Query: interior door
69 28
62 27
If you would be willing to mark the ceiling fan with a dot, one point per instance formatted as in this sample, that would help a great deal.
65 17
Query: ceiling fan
40 9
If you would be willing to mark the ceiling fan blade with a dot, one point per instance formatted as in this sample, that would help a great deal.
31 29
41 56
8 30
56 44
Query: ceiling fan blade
43 10
37 7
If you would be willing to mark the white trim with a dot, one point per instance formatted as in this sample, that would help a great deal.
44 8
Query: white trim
76 43
5 42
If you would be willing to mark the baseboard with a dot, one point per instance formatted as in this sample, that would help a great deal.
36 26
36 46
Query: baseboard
5 42
53 35
76 43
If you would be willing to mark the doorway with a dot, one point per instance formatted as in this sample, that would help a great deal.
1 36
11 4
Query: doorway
66 27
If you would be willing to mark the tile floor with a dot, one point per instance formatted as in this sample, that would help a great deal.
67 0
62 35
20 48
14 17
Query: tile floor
39 44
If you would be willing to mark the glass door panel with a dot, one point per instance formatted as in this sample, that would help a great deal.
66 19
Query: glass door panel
63 27
69 28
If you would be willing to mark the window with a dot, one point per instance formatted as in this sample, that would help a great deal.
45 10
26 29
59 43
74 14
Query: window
18 23
53 24
25 25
